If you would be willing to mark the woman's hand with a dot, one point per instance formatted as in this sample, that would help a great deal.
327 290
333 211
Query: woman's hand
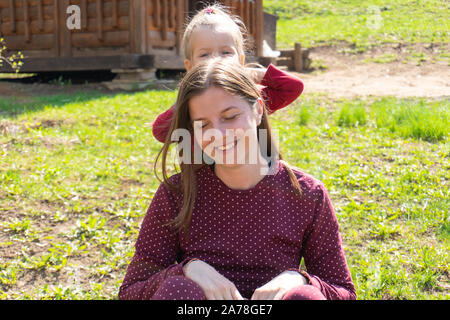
278 286
214 285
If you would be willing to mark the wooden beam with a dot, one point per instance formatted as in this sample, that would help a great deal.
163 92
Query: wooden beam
248 20
99 7
252 26
169 62
165 20
12 14
56 20
40 16
259 27
140 26
26 18
173 13
157 13
66 34
131 8
133 61
179 24
287 53
84 15
298 57
115 17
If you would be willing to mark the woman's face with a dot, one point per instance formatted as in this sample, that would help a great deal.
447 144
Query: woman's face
225 126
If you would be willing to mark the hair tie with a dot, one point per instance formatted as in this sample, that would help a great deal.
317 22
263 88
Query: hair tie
209 11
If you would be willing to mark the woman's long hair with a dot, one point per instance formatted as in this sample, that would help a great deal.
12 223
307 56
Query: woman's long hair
234 80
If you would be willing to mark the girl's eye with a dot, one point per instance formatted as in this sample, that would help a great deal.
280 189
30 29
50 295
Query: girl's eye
204 55
227 53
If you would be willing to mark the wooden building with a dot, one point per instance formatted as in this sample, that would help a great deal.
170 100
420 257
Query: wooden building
113 34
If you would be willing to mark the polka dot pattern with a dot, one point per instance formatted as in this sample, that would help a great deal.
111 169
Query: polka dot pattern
306 292
179 288
249 236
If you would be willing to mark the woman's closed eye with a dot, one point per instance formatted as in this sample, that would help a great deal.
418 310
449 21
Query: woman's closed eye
204 124
232 117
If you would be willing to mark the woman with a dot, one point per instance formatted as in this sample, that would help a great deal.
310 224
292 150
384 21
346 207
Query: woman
234 229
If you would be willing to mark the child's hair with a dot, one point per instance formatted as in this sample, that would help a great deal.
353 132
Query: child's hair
214 15
235 80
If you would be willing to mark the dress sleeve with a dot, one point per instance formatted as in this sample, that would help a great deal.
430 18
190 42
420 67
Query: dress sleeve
161 125
156 250
280 88
323 252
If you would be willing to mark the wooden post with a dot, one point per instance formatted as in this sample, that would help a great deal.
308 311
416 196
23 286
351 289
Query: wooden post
298 58
12 15
99 7
165 20
56 27
26 18
114 14
40 16
65 33
157 14
84 14
179 24
259 27
138 26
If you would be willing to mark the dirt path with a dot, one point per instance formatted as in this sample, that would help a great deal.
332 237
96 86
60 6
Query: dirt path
357 75
344 75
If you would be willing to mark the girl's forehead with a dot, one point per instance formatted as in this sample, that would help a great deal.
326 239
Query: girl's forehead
213 35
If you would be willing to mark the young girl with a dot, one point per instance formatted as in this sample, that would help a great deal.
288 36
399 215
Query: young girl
214 33
227 231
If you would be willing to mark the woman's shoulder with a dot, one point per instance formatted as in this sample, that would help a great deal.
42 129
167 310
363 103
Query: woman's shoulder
310 185
171 185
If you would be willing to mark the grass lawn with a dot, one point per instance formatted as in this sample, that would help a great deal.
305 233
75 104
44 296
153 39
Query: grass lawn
76 179
360 23
76 170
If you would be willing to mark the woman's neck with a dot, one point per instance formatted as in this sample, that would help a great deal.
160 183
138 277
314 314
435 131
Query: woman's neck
242 177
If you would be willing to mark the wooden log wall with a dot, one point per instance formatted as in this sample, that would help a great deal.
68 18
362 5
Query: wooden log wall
251 13
29 25
108 27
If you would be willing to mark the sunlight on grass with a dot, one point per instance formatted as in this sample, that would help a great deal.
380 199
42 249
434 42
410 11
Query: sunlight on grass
362 24
76 179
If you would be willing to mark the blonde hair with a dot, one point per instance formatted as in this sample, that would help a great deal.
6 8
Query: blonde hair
212 16
234 80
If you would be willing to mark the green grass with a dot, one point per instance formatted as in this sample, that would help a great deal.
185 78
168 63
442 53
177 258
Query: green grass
76 179
361 24
384 58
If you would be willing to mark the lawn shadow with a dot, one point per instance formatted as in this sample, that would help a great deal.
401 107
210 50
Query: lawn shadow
22 95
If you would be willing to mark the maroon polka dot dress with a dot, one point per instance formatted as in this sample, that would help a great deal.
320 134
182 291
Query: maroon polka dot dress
249 236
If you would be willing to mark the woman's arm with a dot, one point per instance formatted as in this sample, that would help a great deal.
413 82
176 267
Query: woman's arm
161 125
280 88
157 249
322 250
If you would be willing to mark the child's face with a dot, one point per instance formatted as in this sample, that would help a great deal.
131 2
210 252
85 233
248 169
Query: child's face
211 42
227 126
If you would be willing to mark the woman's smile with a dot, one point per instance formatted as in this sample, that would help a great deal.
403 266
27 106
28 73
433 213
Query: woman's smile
228 147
